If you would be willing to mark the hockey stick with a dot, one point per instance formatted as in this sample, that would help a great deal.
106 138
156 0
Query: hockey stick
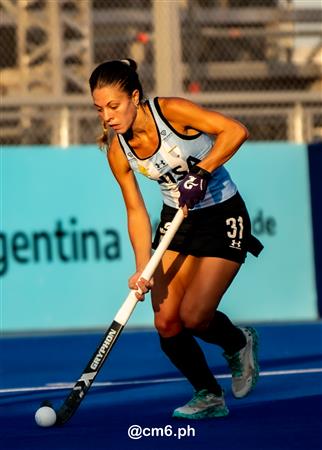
96 362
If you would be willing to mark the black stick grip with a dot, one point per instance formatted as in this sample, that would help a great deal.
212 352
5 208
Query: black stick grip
87 378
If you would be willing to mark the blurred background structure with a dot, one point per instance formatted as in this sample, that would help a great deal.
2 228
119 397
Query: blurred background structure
257 60
65 255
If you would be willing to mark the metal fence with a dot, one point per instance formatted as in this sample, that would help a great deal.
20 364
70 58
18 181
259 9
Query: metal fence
257 60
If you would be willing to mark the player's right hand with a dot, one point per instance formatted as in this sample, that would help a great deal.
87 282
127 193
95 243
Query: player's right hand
139 284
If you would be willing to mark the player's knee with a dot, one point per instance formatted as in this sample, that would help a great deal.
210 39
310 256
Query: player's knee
167 327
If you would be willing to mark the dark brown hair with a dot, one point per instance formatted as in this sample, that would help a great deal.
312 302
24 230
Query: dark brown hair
119 72
122 73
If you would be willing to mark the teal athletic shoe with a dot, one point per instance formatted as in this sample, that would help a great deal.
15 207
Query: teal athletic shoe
203 405
244 365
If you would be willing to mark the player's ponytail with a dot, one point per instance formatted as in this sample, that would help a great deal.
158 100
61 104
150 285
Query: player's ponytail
130 62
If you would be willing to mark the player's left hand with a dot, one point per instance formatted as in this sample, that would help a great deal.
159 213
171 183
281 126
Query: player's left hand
193 187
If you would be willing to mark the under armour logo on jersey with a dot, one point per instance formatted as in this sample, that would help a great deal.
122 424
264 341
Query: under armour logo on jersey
160 164
189 184
163 132
235 244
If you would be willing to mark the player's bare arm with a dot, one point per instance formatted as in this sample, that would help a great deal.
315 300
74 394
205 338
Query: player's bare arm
188 117
139 225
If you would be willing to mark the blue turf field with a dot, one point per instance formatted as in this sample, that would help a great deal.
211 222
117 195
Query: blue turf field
139 386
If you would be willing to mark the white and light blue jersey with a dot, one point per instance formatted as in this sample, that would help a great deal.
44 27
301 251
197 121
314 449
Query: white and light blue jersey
174 156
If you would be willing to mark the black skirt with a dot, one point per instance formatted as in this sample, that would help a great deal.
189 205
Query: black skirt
222 230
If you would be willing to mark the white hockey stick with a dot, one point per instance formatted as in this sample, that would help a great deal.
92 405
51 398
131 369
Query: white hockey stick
83 384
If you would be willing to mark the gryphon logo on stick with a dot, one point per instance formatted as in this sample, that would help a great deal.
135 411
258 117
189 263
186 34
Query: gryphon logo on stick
104 347
86 378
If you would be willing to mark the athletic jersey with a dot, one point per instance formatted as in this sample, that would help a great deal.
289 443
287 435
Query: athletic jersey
174 156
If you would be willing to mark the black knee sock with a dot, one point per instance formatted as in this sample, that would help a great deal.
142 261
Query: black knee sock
223 332
184 352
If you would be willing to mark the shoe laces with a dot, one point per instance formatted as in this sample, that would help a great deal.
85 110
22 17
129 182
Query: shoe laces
235 365
198 396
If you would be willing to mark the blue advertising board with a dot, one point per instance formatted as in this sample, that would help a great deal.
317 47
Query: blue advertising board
65 256
274 180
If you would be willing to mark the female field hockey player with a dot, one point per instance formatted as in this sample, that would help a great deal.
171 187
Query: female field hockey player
183 147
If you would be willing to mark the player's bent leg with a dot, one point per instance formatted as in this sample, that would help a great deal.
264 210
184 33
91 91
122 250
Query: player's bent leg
179 344
211 279
200 303
222 332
